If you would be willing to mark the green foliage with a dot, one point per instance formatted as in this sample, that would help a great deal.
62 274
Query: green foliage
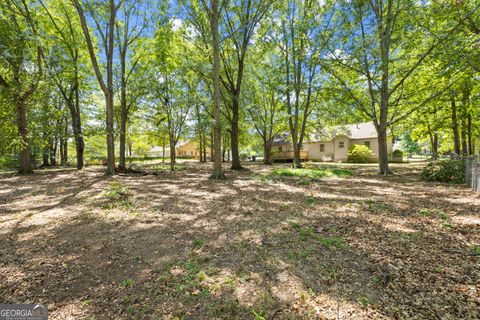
334 242
452 171
313 172
243 156
127 282
359 154
118 194
397 153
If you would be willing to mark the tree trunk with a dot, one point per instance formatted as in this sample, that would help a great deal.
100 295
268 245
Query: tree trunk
456 136
435 146
123 111
172 154
267 147
110 135
217 132
469 134
25 164
236 165
74 107
382 150
297 162
463 137
200 147
45 154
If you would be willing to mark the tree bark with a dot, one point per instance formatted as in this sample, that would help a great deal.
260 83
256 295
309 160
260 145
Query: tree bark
236 164
217 133
123 110
456 136
382 150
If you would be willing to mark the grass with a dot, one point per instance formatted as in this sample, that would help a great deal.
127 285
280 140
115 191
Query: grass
311 173
118 195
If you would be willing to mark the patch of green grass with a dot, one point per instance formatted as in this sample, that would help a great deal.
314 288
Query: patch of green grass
307 174
305 233
475 249
258 315
310 200
364 301
127 282
118 195
198 243
332 242
375 206
426 212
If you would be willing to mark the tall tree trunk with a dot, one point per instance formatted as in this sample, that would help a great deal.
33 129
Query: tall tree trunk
267 147
434 144
45 153
110 135
217 132
382 150
200 147
74 107
172 154
469 134
25 164
123 110
456 135
463 137
236 165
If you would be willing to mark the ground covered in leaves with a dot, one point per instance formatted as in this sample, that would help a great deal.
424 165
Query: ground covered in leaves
266 243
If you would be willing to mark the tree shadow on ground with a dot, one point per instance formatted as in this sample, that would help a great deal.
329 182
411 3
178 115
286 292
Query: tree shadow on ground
193 248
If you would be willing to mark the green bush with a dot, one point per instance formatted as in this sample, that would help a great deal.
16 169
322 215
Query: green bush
445 171
243 156
359 154
397 153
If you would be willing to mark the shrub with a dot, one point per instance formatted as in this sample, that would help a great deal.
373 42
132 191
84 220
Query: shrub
397 153
243 156
359 154
445 171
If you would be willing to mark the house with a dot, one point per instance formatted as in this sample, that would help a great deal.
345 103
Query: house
190 149
332 145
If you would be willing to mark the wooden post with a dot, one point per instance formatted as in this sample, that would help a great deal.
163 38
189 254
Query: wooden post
469 165
475 172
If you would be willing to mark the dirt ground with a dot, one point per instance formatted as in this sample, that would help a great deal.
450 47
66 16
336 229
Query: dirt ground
181 246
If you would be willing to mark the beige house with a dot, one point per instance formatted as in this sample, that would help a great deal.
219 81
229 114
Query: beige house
190 149
332 145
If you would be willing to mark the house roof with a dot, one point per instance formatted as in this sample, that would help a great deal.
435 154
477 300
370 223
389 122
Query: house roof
363 130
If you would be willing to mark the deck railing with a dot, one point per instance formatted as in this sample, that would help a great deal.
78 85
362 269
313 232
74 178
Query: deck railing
288 155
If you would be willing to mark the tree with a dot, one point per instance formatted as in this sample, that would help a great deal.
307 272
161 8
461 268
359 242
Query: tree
105 30
64 61
136 18
240 18
376 46
21 65
299 29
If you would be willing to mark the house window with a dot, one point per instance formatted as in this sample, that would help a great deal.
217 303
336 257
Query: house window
322 147
280 149
367 143
341 144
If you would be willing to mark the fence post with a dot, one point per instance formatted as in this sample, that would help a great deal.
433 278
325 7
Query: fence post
469 172
475 175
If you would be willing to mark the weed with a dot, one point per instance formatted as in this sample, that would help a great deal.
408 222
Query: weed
198 243
258 315
310 200
307 174
334 242
305 233
475 249
127 282
118 195
426 212
364 302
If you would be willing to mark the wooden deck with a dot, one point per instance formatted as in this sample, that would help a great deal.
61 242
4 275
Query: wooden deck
288 155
